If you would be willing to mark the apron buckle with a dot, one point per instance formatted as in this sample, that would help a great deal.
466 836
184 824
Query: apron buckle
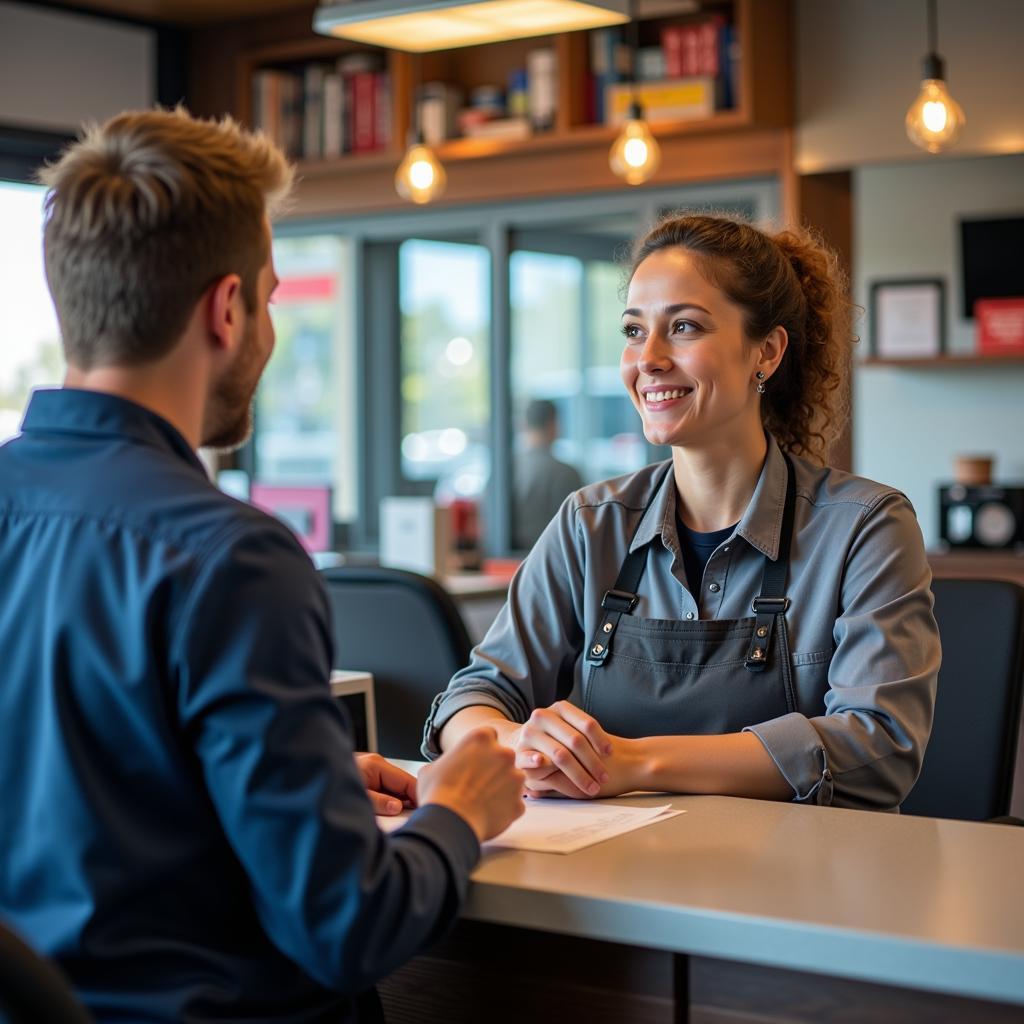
618 601
766 609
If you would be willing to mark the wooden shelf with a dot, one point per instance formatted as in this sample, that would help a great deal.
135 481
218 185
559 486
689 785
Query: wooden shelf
753 139
948 362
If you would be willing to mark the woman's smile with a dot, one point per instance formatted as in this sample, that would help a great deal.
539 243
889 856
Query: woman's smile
659 397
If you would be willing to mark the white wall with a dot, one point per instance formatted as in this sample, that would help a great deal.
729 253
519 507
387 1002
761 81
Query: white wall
859 69
908 424
59 69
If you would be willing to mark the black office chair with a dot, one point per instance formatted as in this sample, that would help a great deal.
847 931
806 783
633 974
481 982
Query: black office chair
969 764
406 630
31 988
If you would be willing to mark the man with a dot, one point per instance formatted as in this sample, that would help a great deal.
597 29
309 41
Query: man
185 828
540 481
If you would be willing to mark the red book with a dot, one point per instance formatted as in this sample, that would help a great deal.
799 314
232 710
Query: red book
364 114
708 45
1000 326
691 54
672 47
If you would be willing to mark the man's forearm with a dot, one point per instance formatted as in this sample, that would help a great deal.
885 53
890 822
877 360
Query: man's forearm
471 718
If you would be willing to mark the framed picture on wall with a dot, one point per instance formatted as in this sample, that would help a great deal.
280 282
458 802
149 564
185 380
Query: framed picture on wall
908 318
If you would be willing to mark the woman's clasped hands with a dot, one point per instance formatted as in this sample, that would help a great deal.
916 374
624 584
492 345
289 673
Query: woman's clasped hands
564 752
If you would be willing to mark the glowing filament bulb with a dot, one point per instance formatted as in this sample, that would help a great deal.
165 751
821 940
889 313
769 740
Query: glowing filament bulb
635 154
420 176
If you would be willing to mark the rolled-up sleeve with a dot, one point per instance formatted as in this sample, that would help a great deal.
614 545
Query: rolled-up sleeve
528 656
866 750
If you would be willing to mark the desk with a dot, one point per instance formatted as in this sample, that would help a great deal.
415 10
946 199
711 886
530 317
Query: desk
479 597
729 906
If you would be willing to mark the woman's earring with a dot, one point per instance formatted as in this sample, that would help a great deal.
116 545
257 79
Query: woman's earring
760 381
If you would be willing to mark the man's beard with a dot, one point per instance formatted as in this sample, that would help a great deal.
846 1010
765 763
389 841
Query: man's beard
229 413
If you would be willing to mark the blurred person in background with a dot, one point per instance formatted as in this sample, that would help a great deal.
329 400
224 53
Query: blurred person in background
540 482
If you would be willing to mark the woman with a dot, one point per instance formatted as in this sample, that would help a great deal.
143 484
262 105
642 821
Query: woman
739 620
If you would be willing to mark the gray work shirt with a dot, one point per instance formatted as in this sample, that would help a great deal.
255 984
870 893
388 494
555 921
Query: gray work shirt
864 643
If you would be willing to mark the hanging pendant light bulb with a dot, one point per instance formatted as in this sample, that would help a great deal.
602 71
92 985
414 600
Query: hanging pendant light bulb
420 177
635 155
934 120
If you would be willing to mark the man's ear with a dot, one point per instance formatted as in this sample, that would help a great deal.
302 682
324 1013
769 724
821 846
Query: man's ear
224 311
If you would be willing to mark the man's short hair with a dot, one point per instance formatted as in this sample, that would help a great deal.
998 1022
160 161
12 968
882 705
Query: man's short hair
541 414
144 213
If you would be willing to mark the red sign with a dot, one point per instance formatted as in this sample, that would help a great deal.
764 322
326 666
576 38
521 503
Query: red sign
1000 326
307 288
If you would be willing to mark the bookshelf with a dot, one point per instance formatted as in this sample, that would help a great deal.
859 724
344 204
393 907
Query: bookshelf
749 139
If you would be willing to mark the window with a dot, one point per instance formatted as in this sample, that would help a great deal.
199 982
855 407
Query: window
305 412
574 422
445 358
30 353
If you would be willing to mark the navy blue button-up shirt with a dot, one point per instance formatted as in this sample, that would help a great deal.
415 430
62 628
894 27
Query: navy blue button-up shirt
182 824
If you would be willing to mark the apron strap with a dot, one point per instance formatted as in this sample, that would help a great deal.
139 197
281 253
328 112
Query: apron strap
772 602
622 598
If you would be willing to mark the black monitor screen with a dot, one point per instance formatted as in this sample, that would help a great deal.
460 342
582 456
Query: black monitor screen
992 253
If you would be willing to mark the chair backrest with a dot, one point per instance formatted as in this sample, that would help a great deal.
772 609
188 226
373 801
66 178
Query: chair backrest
31 988
407 631
969 763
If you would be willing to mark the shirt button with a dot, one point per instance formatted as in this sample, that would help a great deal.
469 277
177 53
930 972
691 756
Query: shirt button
726 548
689 615
714 588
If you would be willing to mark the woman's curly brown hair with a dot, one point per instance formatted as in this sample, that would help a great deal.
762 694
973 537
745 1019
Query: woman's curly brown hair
790 280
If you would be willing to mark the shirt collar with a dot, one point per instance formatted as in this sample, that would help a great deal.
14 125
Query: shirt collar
660 518
98 414
760 525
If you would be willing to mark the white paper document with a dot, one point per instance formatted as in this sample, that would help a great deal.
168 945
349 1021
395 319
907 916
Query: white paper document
564 826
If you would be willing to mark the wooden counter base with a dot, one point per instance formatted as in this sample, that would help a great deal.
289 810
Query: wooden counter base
494 973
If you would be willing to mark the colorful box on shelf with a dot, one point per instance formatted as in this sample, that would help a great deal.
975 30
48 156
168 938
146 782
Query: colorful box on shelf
1000 326
675 99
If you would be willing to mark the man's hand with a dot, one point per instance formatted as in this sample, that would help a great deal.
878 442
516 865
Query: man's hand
390 789
477 779
563 741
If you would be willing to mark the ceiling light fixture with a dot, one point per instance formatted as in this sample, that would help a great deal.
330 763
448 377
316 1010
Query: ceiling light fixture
422 25
635 155
934 120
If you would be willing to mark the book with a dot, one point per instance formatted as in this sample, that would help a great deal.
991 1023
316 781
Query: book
382 110
609 63
703 48
542 74
333 115
499 128
650 64
364 113
672 48
313 111
674 99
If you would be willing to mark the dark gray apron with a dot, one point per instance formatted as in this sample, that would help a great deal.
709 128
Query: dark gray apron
668 677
